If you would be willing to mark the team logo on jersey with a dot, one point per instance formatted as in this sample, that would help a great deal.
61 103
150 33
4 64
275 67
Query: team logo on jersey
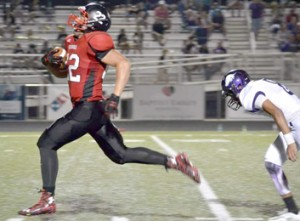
59 101
72 47
168 90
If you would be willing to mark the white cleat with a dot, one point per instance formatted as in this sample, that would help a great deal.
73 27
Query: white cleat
286 217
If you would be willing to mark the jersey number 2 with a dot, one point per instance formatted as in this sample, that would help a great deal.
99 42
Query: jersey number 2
73 67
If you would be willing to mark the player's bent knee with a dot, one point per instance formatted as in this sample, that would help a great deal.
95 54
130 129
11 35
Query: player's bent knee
118 160
272 168
45 142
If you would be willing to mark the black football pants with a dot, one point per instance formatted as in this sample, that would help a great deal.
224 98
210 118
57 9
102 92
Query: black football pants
88 117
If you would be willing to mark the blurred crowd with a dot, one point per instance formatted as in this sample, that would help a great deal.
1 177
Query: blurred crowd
285 28
199 20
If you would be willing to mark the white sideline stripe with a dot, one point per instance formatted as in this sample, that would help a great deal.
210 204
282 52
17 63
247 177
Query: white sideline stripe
202 140
125 140
15 219
217 208
117 218
234 219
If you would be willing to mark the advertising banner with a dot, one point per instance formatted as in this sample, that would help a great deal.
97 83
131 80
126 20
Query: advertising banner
176 102
11 102
58 101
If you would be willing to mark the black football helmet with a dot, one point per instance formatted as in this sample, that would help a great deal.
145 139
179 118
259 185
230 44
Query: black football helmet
232 84
94 17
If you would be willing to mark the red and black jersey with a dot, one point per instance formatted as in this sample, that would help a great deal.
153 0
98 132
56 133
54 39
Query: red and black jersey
86 71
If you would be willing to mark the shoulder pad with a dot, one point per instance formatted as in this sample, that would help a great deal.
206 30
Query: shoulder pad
101 41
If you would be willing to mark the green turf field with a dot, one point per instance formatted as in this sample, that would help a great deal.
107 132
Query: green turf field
90 187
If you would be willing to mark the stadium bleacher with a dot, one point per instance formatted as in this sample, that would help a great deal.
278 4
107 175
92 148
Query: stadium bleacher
237 41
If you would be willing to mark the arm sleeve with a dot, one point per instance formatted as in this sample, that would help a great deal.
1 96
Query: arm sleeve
259 101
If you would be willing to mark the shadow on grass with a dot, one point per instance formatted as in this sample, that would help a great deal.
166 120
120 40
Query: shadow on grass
93 205
266 209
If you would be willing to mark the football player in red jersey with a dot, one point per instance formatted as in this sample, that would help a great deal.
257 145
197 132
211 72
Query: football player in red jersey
90 52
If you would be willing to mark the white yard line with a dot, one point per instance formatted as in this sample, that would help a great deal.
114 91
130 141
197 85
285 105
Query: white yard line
15 219
234 219
117 218
216 207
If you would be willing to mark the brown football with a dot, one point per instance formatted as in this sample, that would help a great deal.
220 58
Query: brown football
61 52
61 71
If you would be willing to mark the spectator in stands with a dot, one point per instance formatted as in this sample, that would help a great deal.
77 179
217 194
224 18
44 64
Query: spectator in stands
191 19
236 6
275 25
158 31
138 38
292 25
218 21
206 5
32 49
142 15
8 15
201 33
190 46
292 14
132 11
220 49
203 49
161 13
257 8
122 41
214 9
283 36
275 8
151 4
18 49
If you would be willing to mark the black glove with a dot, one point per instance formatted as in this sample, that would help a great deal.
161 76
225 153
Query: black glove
49 58
111 106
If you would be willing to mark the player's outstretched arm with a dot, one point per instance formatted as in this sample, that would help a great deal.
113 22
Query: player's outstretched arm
282 124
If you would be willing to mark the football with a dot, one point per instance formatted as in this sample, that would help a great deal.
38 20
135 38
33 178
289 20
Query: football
61 52
60 70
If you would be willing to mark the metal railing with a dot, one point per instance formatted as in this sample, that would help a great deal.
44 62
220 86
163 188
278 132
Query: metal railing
175 69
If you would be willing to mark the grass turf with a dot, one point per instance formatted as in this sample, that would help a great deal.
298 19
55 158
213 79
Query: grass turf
91 187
